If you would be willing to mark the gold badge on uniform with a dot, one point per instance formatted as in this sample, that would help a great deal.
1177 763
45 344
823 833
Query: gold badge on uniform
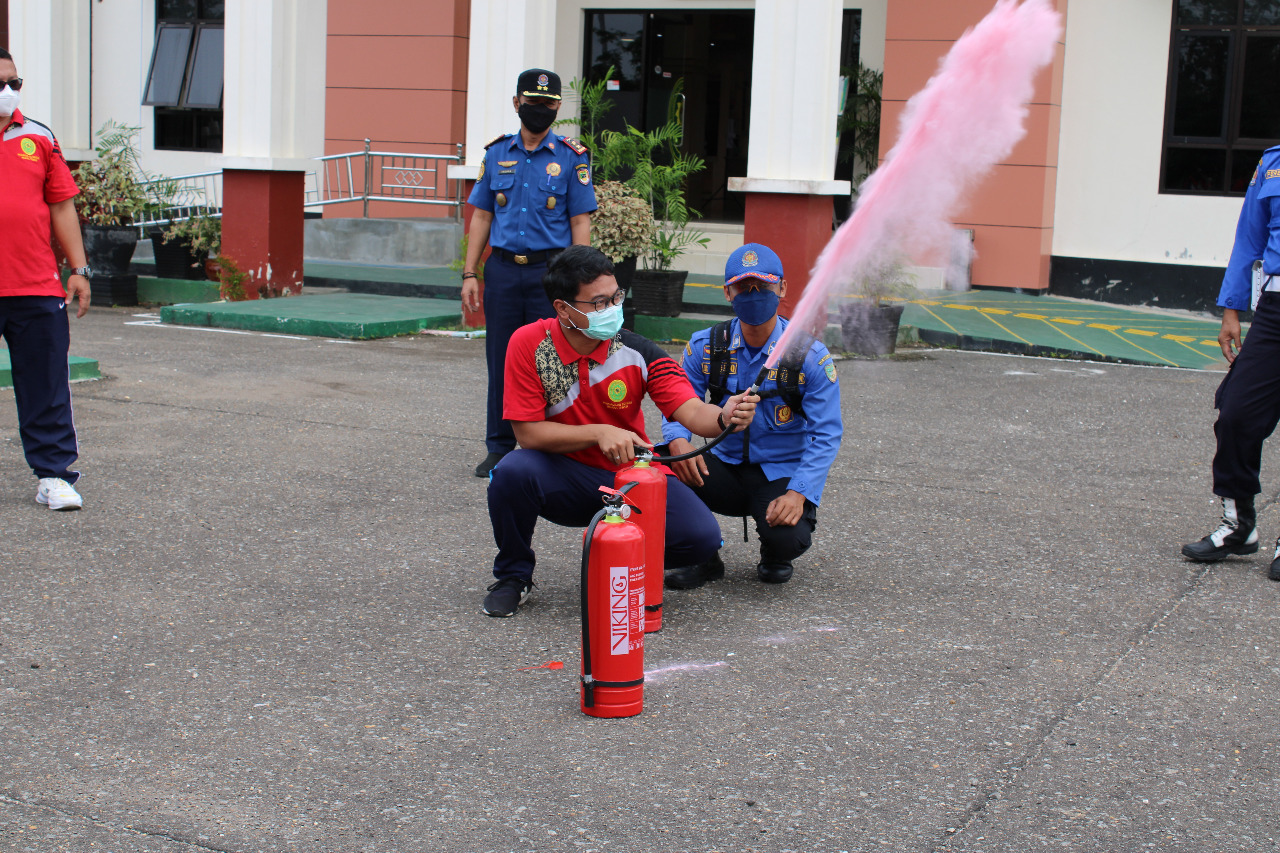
553 169
502 199
783 414
507 164
584 174
481 175
551 202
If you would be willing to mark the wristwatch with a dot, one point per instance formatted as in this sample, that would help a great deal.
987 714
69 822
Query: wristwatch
85 271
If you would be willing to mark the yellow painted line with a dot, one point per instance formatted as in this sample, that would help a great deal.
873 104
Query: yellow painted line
1031 316
1142 332
1008 330
925 302
1104 327
1201 353
1209 344
1070 337
940 320
1182 339
1065 320
1144 349
994 311
961 307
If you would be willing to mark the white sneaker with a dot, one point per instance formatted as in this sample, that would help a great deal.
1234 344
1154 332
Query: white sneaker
58 494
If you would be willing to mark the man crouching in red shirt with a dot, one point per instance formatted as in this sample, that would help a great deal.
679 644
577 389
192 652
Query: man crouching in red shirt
574 383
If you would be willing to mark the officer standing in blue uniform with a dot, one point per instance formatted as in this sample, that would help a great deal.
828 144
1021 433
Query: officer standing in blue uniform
775 470
1248 399
533 198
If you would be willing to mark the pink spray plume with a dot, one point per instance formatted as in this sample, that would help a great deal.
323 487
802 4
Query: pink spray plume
966 119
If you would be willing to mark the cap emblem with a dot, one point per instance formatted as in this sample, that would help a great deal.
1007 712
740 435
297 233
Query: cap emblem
750 259
543 81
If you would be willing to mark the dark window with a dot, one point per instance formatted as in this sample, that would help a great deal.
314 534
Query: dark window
185 79
1224 77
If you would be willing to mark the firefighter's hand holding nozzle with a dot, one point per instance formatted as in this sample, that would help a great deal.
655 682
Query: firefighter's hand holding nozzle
619 445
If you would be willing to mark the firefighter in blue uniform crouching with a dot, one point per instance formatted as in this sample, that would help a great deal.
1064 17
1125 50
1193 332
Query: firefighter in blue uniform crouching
775 470
1248 399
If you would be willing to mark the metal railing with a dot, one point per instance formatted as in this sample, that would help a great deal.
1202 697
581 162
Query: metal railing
357 177
182 197
365 176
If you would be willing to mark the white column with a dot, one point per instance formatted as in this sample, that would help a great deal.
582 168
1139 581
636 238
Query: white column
794 98
507 36
49 40
273 100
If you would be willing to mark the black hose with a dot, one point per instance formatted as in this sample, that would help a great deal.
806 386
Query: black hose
754 389
589 695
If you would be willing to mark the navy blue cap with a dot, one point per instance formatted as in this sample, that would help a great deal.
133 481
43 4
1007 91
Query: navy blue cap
754 260
538 83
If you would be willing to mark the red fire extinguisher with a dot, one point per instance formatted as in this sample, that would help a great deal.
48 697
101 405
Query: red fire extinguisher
613 612
649 494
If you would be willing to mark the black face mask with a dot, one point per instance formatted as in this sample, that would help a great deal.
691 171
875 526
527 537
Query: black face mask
536 117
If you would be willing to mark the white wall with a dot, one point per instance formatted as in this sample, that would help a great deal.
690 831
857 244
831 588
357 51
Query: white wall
1113 100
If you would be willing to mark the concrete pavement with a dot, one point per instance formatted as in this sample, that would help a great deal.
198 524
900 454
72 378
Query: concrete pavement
263 632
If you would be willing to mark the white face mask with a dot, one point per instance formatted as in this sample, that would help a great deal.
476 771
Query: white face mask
9 101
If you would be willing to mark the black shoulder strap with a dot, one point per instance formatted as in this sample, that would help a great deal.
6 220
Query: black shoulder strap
789 370
718 378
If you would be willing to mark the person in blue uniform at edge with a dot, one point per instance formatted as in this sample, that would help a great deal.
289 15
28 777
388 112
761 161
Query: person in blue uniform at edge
533 198
1248 398
775 470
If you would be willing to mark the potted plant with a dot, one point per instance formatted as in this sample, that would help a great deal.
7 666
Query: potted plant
622 227
869 325
114 193
183 248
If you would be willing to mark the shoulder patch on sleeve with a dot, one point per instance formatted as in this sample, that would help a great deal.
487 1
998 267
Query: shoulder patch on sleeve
574 145
495 141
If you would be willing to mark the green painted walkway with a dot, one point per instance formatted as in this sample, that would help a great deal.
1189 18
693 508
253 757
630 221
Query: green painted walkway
355 316
81 369
1045 325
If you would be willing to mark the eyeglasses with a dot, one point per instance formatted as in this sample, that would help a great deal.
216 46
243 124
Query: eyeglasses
15 84
752 284
600 303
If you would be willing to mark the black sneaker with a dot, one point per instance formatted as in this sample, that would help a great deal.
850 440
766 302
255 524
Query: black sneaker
1237 534
506 596
692 577
483 469
774 572
1274 572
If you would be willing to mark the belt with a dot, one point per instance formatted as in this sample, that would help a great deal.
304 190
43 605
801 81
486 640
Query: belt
1271 284
527 257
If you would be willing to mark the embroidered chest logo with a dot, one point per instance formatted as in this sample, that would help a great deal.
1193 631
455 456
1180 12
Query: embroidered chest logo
617 390
28 148
783 414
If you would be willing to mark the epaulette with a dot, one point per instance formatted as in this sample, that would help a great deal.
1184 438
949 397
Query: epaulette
497 140
574 145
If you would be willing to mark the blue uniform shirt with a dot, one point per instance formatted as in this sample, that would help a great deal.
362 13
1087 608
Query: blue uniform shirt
533 195
1257 234
783 443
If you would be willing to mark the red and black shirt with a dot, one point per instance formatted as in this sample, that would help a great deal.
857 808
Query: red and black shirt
548 380
33 175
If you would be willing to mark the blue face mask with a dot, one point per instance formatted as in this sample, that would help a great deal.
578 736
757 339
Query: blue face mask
755 307
602 325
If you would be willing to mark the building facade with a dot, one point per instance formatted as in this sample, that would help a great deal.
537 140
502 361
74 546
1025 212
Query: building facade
1141 138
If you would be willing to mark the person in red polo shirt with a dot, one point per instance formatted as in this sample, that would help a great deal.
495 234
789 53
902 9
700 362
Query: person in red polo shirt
574 384
37 192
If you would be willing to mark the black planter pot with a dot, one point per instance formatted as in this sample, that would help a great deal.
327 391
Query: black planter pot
870 329
175 259
658 293
625 272
109 248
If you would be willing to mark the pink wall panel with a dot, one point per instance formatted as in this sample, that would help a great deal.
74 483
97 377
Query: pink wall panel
1008 195
399 17
391 117
403 62
1009 257
939 21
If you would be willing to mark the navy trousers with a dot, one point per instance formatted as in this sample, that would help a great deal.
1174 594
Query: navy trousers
38 333
528 484
744 490
513 297
1248 402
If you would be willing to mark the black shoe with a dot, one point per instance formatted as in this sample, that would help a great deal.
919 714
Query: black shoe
692 577
506 596
1274 572
1237 534
483 469
774 572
